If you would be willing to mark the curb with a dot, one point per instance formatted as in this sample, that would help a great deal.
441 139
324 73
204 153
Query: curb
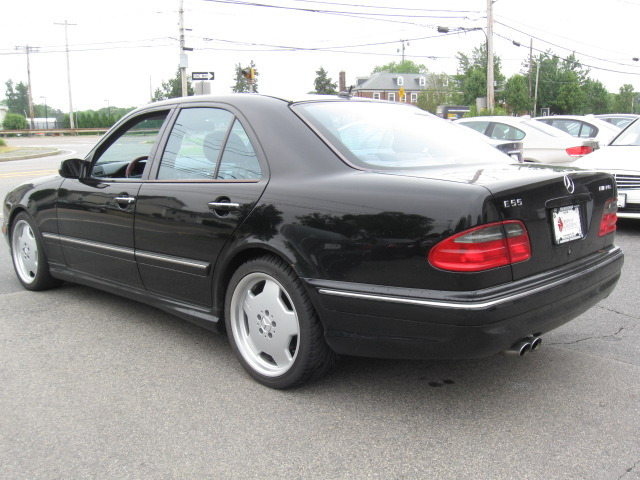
25 156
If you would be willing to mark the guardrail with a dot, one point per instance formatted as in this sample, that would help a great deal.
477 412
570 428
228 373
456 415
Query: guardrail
52 131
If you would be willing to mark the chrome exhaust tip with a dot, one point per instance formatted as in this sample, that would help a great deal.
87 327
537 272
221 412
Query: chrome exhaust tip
519 348
536 342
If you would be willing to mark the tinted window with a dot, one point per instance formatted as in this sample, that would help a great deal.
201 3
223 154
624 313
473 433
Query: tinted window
194 144
502 131
239 160
393 136
136 141
477 126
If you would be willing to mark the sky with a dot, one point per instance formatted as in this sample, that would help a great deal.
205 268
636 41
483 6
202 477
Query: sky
121 51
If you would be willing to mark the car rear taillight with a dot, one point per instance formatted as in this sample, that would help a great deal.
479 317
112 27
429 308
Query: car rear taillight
482 248
609 217
579 151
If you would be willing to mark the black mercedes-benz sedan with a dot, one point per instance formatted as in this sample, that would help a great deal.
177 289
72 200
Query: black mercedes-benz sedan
323 226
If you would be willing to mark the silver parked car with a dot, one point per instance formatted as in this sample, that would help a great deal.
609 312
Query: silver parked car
619 119
542 143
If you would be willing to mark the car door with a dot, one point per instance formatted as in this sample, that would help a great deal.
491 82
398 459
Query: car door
203 185
96 212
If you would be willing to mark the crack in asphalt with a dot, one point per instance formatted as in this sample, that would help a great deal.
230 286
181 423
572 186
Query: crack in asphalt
635 317
589 338
628 470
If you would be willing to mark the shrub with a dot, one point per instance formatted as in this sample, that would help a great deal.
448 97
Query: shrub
13 121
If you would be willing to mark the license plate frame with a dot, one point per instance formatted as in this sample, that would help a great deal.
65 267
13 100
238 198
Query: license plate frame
567 224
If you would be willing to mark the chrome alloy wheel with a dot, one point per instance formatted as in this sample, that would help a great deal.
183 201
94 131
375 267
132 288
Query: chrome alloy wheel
265 324
25 251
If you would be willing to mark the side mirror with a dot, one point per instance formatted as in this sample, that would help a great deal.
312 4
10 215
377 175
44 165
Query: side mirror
73 168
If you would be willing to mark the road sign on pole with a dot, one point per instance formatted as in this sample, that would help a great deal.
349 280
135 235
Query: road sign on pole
206 76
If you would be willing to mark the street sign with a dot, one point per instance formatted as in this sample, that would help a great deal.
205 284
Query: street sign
202 76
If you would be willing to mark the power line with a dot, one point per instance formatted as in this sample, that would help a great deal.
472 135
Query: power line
565 48
573 61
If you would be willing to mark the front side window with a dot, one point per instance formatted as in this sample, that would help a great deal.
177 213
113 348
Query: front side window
133 144
376 96
414 97
389 136
392 97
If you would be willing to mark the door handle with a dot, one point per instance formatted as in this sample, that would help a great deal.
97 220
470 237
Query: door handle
124 202
227 206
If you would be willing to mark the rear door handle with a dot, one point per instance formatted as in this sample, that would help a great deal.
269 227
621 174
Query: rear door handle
124 202
228 206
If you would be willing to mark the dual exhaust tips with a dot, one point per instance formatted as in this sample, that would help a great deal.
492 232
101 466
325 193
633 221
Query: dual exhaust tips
526 345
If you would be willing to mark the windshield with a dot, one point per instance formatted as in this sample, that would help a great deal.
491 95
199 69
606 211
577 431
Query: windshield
630 136
392 136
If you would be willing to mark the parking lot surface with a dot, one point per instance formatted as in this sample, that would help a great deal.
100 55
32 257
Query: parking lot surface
97 386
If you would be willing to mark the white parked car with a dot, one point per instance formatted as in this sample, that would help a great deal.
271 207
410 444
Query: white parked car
618 119
583 126
620 158
542 143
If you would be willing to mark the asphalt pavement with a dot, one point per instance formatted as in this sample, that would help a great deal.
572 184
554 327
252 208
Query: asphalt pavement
97 386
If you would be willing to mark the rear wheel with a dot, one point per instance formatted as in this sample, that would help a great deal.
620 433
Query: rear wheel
272 326
28 256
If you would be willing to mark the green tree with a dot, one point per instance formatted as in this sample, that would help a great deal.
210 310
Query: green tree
323 84
172 88
242 84
406 66
561 83
516 95
596 98
472 75
13 121
625 99
17 98
439 92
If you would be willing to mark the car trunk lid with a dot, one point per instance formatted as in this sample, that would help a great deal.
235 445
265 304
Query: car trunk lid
561 208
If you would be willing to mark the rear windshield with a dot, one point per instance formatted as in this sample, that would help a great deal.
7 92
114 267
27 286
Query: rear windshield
630 136
390 136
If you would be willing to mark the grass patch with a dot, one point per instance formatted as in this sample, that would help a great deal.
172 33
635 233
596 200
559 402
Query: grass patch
7 149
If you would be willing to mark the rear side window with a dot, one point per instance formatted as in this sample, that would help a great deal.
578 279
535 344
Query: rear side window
502 131
208 144
480 127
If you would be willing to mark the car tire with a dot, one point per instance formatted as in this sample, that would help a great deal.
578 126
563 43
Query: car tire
273 327
27 253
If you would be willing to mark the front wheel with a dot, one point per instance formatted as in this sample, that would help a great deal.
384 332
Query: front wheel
272 326
28 256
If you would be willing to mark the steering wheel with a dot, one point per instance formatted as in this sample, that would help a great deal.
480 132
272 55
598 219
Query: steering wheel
133 164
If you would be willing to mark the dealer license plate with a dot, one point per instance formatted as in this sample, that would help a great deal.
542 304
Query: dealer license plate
622 200
567 224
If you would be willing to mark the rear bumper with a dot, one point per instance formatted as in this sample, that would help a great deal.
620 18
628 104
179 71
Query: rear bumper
388 322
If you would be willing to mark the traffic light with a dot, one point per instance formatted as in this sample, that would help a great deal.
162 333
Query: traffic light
249 74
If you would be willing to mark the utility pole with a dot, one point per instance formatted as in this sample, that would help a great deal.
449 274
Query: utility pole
28 49
535 101
183 56
490 91
66 41
403 47
530 66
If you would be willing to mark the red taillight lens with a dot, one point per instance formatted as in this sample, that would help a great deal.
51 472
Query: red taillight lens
482 248
609 217
579 151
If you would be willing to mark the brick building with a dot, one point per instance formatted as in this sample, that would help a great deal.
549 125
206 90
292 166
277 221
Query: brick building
386 86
